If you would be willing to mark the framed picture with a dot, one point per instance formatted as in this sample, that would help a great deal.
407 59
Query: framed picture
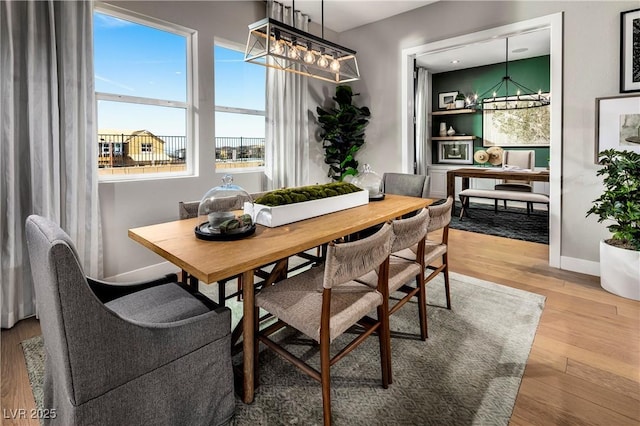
530 127
446 98
618 123
455 152
630 51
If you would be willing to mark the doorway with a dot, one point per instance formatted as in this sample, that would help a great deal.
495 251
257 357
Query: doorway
554 23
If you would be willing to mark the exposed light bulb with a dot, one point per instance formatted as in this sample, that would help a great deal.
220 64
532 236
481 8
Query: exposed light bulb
335 65
322 62
293 52
278 47
309 57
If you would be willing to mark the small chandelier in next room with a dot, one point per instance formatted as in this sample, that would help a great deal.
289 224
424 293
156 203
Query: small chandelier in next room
277 45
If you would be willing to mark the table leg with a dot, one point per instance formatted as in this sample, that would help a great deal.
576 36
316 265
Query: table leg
451 184
465 183
248 336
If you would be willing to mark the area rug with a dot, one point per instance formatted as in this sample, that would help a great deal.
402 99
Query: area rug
510 223
467 372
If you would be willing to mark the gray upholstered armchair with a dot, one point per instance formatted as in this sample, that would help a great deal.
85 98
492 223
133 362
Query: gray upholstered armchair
149 353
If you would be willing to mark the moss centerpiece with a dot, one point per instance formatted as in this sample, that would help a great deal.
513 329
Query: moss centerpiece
288 205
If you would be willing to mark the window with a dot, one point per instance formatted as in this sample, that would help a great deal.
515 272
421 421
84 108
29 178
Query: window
240 109
143 71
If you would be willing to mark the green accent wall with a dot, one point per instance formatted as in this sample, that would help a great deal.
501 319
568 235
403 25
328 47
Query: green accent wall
533 73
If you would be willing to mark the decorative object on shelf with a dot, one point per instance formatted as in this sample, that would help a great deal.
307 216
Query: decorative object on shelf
460 100
371 181
620 255
446 100
218 206
277 45
443 129
451 131
342 133
455 152
617 123
521 97
629 52
495 155
481 156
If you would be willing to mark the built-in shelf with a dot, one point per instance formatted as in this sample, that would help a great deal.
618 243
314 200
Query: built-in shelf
453 138
454 111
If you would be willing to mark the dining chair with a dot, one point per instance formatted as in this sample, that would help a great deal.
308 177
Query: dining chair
405 184
523 159
323 303
126 353
435 250
403 267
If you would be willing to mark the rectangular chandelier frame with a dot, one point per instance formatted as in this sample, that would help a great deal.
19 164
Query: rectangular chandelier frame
274 44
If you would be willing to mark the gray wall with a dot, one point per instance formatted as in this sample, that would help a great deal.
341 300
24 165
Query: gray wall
591 62
591 69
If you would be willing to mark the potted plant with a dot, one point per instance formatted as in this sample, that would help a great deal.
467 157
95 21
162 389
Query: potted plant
620 203
342 133
460 100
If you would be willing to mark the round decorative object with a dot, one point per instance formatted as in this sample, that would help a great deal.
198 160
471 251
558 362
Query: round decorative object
481 156
370 181
495 155
205 231
219 207
451 132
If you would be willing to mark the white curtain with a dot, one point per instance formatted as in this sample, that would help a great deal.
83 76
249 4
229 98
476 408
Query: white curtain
422 121
287 139
49 148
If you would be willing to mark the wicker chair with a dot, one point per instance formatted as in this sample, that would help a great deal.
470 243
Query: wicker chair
324 302
403 267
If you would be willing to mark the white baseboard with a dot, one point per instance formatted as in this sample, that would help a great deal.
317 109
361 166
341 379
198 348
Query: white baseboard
146 273
580 265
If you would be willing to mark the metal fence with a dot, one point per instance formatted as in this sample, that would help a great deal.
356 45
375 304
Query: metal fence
145 148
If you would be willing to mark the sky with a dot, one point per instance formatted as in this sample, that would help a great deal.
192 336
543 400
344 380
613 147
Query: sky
135 60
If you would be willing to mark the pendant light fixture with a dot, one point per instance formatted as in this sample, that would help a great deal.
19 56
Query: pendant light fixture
514 95
274 44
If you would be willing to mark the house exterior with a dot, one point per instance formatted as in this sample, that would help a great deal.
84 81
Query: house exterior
126 148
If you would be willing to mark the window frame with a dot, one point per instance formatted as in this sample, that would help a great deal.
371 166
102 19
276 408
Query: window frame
230 45
189 105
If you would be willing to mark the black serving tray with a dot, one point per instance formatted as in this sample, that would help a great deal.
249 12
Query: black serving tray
204 232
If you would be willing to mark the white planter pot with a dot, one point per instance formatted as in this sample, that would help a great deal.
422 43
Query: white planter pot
459 104
620 271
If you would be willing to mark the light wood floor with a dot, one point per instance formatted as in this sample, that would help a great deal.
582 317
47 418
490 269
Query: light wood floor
584 366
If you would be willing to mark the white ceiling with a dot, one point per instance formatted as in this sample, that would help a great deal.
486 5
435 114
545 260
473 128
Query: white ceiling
521 46
343 15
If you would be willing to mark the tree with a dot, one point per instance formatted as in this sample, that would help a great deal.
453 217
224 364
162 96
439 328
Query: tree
342 133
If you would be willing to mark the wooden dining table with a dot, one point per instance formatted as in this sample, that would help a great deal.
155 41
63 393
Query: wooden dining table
212 261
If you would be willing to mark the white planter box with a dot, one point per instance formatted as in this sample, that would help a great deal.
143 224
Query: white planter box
281 215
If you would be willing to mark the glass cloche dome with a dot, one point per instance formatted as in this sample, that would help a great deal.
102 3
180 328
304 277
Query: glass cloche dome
220 207
370 181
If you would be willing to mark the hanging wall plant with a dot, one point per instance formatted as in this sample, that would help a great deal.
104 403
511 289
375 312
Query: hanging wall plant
342 133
